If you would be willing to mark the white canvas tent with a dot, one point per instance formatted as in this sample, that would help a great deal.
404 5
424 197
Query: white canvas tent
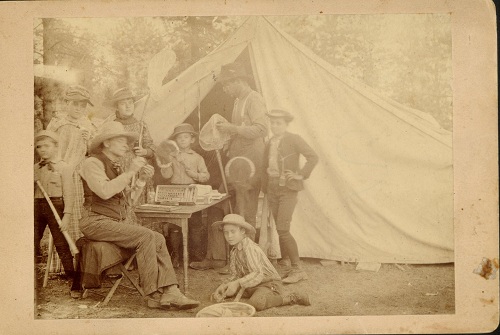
383 189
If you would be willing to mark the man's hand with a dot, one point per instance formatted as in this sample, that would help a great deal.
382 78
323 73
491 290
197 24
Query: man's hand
136 164
232 288
146 172
226 127
140 151
221 290
65 222
292 175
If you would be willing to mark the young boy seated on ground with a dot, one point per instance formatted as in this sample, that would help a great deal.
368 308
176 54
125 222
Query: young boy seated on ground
56 178
186 167
251 270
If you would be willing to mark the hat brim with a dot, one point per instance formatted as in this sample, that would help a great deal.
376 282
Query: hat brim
172 137
97 141
112 102
80 99
287 118
248 227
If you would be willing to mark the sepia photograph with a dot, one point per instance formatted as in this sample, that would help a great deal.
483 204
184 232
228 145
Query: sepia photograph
245 169
327 138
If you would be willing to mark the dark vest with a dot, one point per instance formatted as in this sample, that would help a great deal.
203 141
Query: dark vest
114 207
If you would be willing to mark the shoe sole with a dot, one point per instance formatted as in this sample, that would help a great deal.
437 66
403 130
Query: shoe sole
157 305
186 306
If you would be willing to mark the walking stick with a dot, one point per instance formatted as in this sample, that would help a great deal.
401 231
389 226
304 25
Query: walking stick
49 260
71 244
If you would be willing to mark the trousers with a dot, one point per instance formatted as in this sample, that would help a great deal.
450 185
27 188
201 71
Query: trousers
265 295
282 202
153 260
43 218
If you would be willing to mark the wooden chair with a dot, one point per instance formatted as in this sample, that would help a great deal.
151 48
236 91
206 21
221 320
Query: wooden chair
95 262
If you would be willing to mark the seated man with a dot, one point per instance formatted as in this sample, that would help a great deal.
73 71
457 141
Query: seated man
110 195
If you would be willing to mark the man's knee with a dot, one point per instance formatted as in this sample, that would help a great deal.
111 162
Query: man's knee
258 302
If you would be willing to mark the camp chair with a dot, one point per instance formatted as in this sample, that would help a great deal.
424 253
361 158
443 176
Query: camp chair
99 259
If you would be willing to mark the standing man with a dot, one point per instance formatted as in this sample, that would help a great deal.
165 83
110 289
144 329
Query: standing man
110 196
248 129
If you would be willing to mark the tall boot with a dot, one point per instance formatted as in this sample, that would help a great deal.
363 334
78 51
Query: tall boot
297 298
175 238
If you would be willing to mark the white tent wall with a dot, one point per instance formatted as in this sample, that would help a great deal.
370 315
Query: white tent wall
383 189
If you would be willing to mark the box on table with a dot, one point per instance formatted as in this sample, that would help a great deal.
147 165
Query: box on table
183 194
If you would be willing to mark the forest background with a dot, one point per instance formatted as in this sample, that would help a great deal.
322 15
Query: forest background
406 57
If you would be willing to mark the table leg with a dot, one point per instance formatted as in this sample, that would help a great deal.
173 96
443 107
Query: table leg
184 227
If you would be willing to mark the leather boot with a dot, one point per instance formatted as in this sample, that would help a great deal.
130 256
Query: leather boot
172 296
297 298
175 238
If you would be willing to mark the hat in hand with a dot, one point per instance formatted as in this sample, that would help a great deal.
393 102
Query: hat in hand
77 93
110 130
236 220
280 113
120 94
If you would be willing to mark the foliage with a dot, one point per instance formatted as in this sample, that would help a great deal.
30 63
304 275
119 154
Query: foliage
405 57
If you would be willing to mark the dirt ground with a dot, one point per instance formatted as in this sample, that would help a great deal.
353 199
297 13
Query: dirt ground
335 290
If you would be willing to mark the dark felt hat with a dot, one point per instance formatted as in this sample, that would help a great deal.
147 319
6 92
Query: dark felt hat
120 94
233 71
77 93
183 128
280 113
236 220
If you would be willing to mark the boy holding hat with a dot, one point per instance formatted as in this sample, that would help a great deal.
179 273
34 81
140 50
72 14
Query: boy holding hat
75 131
186 167
251 270
110 197
55 176
282 180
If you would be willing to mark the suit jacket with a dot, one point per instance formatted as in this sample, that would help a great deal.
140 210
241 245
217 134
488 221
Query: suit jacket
290 148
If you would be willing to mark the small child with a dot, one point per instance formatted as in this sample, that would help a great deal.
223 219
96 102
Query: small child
186 167
282 181
251 270
56 178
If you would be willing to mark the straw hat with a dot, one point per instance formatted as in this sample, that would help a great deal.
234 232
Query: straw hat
110 130
183 128
77 93
280 113
120 94
236 220
47 133
233 71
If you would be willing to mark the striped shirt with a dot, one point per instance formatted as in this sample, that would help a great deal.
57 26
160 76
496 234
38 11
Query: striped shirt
250 265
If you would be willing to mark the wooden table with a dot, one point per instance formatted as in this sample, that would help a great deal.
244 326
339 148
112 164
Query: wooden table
179 216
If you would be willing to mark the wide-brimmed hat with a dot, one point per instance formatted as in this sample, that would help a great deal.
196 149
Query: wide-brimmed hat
236 220
183 128
77 93
47 133
110 130
120 94
233 71
280 113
